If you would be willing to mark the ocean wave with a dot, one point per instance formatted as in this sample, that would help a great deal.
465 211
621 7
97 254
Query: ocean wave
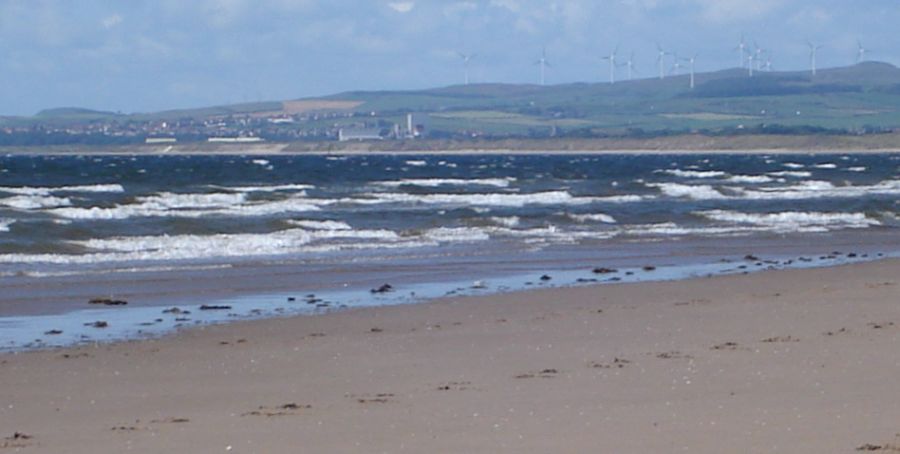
484 199
508 221
39 190
856 169
789 220
694 173
169 200
827 165
793 165
321 225
35 202
597 217
750 179
416 163
791 173
694 192
436 182
5 224
189 207
274 188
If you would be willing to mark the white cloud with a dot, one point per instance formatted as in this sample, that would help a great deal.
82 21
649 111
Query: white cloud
402 7
111 21
511 5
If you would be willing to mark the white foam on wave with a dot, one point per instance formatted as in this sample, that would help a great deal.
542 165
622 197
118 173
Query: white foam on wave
827 165
694 173
191 206
597 217
260 162
750 179
791 220
486 199
436 182
694 192
509 221
416 163
793 165
35 202
39 190
856 169
820 189
169 200
5 223
321 225
191 247
274 188
791 173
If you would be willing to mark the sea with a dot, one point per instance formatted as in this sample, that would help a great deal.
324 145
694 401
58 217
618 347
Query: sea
258 235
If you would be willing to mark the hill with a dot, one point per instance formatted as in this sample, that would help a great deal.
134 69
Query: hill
856 99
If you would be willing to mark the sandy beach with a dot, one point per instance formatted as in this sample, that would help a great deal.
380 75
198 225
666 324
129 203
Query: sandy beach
799 361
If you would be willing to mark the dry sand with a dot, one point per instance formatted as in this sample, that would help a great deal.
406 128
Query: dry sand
797 361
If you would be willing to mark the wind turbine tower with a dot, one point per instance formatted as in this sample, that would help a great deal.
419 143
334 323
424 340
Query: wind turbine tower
466 58
691 61
813 53
612 65
661 61
544 64
741 49
676 67
630 65
750 58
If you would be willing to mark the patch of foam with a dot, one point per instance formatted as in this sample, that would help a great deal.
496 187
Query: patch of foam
750 179
790 220
856 169
827 165
416 163
597 217
790 173
275 188
37 190
694 192
793 165
694 173
436 182
487 199
35 202
5 223
820 189
509 222
321 225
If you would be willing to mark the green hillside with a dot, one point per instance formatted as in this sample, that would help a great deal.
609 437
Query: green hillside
861 96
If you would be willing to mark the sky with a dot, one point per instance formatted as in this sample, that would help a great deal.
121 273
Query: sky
150 55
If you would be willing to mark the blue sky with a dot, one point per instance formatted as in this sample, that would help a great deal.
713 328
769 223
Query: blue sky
147 55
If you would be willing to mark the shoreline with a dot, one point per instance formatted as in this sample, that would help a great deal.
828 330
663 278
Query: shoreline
788 360
674 145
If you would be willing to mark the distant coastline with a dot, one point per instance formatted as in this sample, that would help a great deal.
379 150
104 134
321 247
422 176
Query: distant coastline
682 144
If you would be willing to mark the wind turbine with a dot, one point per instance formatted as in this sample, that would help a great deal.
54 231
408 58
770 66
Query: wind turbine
768 65
741 48
466 58
759 51
861 53
661 61
544 64
612 65
750 58
677 65
630 65
691 61
813 53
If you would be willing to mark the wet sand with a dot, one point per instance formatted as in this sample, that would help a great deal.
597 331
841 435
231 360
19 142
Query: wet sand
785 361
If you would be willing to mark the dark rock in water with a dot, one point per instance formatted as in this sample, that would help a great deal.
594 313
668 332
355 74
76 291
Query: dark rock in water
583 280
649 268
53 332
852 255
182 319
98 324
291 299
313 301
629 273
211 307
615 279
751 258
605 270
386 288
174 310
108 302
546 278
